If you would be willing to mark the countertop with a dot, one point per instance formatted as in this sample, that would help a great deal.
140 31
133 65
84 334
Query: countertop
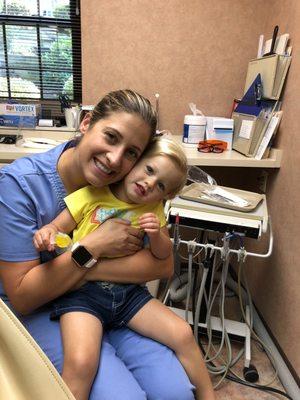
9 152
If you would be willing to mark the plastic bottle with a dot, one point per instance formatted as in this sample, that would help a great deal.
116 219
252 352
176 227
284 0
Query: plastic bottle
194 126
62 242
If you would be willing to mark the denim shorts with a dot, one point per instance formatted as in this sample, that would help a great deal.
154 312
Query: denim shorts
114 305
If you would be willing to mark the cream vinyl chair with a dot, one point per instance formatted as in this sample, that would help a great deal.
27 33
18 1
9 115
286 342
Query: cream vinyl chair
26 373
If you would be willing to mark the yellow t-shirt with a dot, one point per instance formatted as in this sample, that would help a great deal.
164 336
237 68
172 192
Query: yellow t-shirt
91 206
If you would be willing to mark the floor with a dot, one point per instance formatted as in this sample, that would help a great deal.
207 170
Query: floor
233 391
229 390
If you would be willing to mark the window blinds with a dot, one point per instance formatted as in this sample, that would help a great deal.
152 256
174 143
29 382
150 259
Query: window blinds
40 49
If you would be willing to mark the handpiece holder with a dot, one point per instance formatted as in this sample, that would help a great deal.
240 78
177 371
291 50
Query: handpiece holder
241 252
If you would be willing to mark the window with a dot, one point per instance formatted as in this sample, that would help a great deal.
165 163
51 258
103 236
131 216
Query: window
40 49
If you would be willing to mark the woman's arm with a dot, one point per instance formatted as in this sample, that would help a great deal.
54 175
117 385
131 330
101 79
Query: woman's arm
30 284
137 268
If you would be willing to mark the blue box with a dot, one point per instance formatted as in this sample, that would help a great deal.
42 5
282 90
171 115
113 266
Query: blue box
19 115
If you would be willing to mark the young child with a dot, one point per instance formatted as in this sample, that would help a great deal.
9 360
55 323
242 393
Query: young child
85 312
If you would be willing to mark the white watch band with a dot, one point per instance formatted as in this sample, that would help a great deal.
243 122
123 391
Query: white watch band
90 263
74 246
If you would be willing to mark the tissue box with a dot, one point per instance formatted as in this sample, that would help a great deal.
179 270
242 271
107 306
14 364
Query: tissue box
218 128
20 115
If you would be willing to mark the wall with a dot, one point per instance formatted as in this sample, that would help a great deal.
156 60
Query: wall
197 51
187 51
276 281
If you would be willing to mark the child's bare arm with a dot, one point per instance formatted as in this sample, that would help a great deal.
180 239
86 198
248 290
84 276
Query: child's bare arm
64 222
160 243
44 238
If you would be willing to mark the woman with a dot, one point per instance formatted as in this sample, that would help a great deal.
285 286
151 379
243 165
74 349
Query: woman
31 195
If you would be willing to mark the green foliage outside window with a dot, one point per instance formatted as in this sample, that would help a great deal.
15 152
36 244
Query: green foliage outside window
36 69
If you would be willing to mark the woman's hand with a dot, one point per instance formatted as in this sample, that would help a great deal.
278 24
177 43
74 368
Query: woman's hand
44 238
114 238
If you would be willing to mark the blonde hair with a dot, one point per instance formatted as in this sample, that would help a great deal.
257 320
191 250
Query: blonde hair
166 147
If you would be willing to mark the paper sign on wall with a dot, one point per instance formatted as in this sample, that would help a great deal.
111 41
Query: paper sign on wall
246 128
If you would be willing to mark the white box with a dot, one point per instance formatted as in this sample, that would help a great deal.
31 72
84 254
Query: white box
218 128
21 115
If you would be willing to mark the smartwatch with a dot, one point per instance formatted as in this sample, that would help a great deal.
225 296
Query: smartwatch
82 257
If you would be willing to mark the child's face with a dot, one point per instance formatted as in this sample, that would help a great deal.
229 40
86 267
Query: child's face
151 180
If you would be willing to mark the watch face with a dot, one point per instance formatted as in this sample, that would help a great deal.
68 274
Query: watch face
81 255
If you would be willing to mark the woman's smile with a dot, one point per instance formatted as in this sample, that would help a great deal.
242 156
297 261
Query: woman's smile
102 168
110 148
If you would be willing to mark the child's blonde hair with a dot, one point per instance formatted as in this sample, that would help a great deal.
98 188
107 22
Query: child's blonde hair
167 147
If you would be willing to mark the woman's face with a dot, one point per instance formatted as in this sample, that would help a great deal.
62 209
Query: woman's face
110 148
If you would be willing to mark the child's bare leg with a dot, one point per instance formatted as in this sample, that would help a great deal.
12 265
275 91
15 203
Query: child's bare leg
82 336
158 322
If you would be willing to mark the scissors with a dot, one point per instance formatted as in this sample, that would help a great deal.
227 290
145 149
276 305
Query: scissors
65 101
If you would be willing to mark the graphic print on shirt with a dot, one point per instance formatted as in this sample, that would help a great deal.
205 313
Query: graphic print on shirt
102 214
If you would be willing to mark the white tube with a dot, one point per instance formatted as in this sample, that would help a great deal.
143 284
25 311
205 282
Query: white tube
178 287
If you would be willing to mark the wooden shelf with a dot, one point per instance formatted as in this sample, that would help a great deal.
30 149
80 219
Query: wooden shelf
15 130
229 158
9 152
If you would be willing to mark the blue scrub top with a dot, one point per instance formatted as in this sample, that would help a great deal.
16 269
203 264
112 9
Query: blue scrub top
31 195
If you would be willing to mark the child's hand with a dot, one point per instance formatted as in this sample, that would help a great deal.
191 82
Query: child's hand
150 224
44 238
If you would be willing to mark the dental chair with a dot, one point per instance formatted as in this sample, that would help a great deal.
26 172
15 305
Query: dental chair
26 373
